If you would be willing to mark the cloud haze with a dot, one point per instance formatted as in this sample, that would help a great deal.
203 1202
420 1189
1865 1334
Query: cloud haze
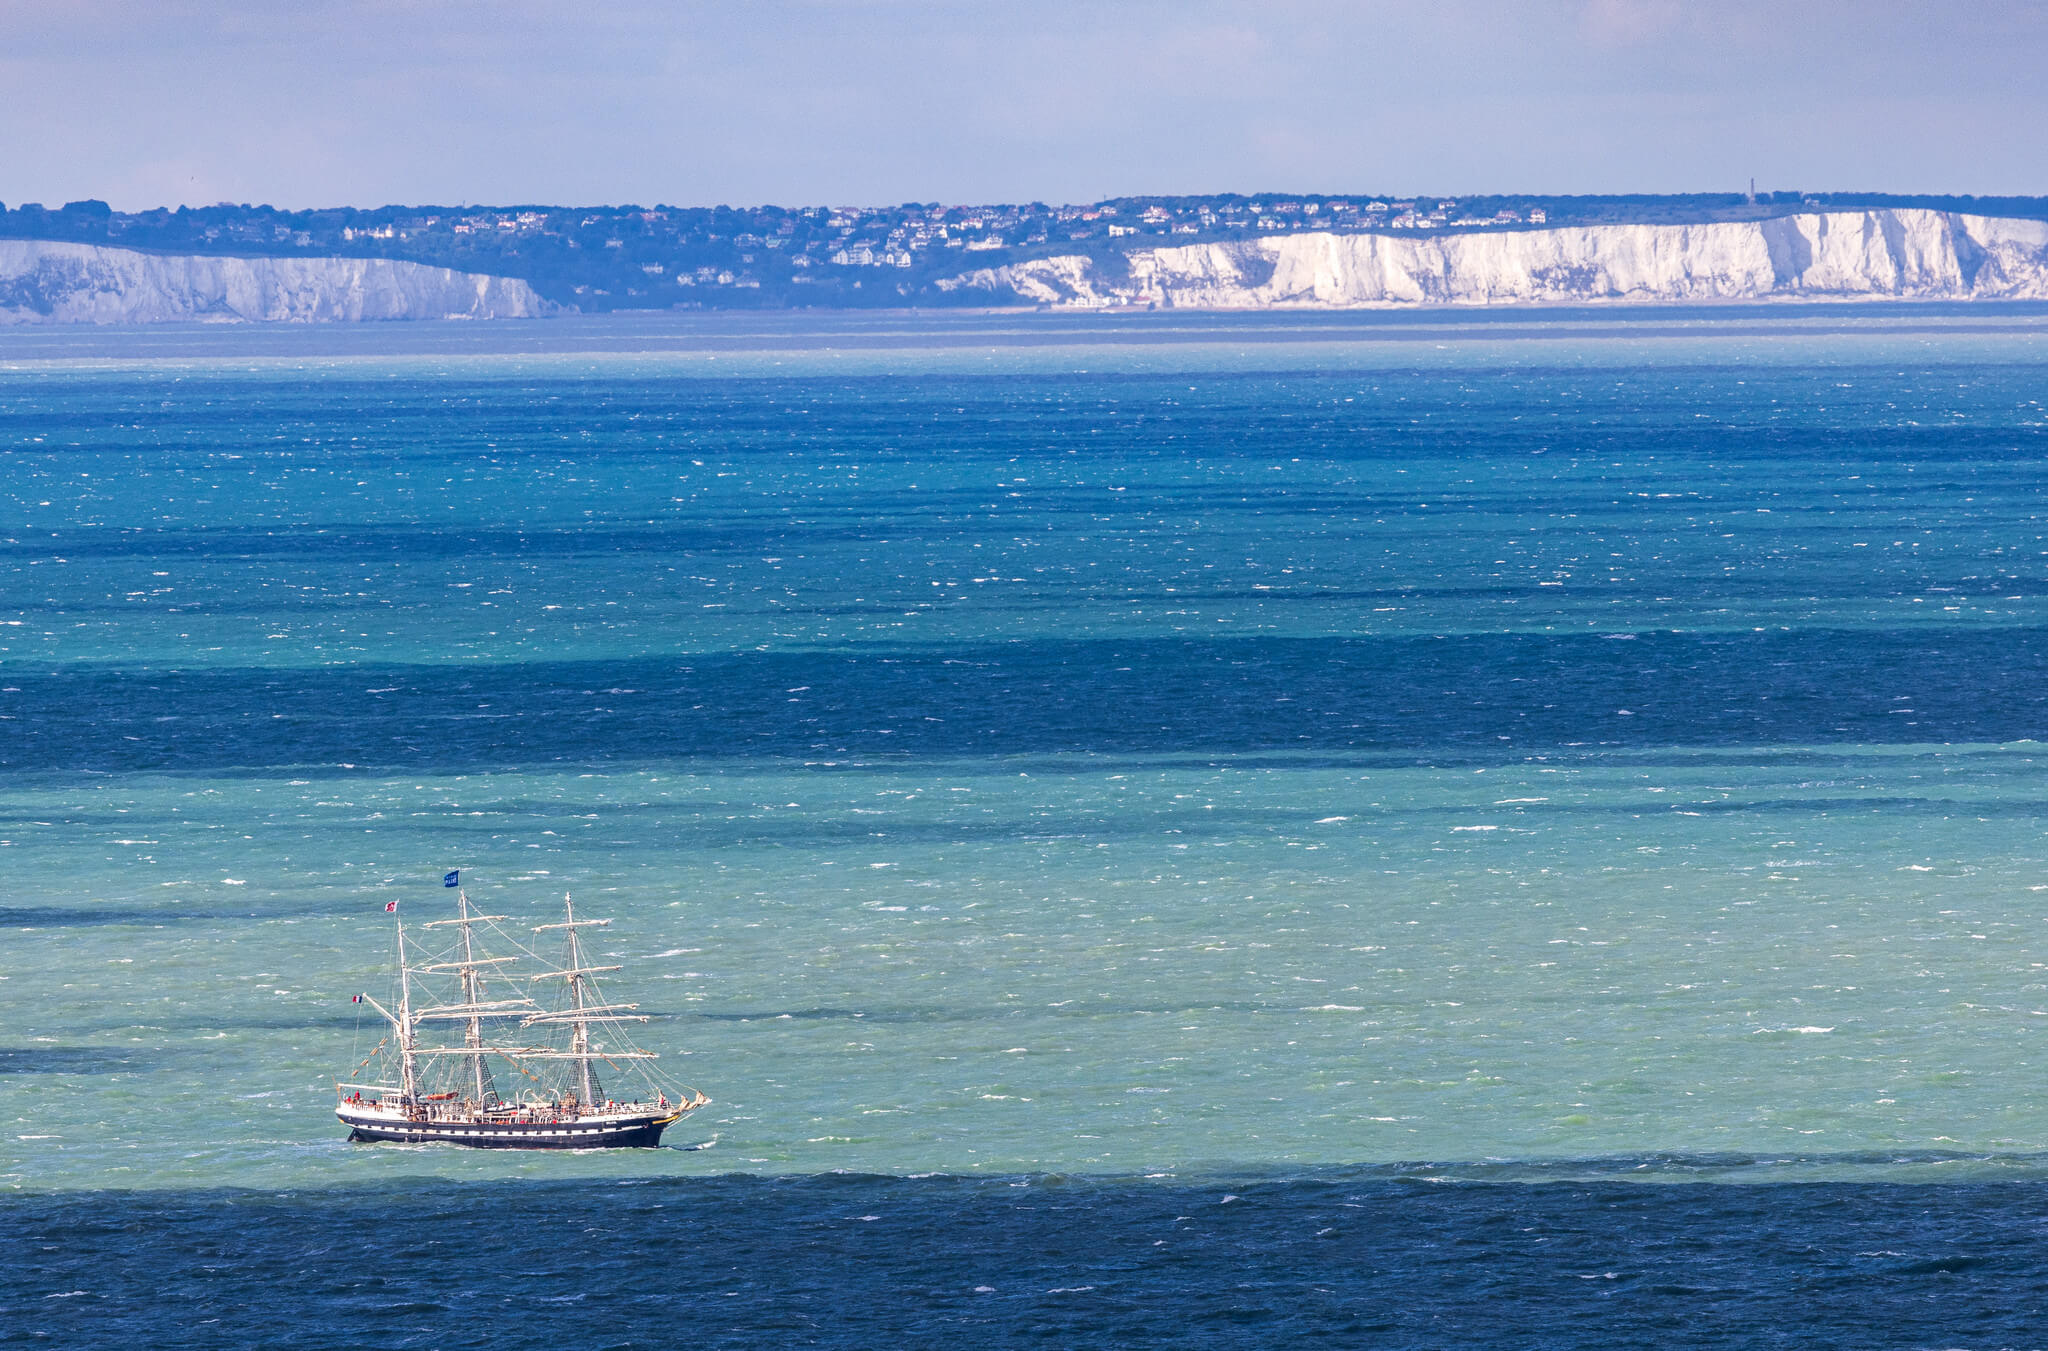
797 101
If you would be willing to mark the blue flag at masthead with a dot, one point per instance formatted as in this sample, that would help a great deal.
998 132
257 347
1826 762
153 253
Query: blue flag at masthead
453 879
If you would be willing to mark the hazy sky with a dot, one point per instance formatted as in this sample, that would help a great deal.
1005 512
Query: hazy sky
362 102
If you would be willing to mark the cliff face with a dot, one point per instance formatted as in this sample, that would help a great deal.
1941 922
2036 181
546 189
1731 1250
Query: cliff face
1912 254
46 282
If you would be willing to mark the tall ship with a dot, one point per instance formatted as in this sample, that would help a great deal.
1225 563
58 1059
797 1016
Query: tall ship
481 1052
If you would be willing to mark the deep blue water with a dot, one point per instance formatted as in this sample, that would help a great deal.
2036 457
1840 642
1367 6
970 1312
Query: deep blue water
1340 1259
1405 698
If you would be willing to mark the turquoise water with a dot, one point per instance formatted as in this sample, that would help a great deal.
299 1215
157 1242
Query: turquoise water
1589 747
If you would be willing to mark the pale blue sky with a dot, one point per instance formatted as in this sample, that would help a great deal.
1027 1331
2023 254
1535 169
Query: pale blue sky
362 102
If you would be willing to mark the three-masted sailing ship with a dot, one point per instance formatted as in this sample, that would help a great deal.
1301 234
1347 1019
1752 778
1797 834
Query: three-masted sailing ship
525 1073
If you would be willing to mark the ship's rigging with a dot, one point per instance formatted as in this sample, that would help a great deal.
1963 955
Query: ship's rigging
571 1057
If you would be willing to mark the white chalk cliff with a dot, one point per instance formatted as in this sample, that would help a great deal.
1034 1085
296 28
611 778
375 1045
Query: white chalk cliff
1907 254
50 282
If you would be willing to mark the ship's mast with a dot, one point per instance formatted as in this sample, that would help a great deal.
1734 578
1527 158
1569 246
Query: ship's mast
474 1035
472 1010
577 1015
408 1079
579 1026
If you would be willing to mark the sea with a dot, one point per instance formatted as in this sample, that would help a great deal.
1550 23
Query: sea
1520 829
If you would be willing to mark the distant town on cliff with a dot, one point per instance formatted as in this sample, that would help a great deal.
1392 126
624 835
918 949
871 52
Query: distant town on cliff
669 257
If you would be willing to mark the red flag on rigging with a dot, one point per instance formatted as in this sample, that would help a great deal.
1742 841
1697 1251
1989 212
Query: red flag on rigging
391 907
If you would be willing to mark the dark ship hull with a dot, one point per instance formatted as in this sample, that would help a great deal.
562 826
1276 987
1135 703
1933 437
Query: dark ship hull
612 1132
